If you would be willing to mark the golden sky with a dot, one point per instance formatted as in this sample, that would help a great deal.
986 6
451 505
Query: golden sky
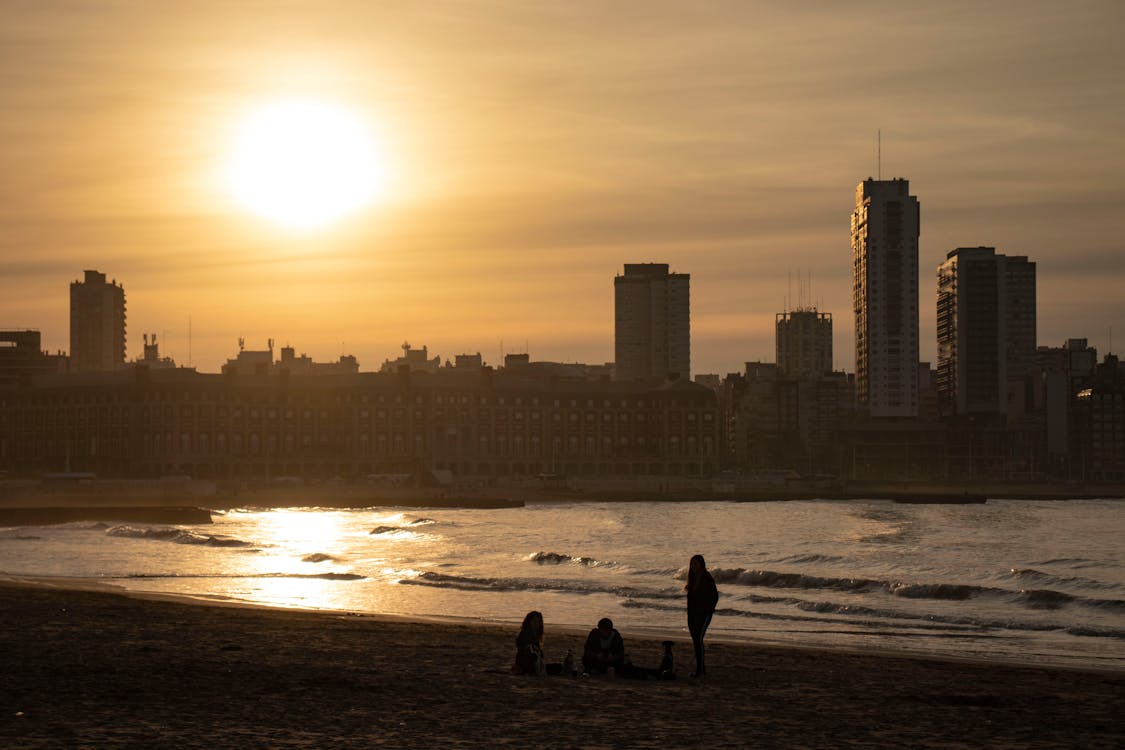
536 147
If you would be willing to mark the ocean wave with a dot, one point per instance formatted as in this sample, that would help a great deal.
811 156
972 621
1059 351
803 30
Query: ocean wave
178 536
1033 598
1072 562
418 521
1116 605
1031 575
390 531
1044 598
876 620
810 558
317 557
1092 632
468 583
946 591
673 572
775 579
555 558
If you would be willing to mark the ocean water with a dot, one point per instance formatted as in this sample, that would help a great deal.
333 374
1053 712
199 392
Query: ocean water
1011 581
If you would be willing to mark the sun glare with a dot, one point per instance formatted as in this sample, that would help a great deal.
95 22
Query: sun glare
304 164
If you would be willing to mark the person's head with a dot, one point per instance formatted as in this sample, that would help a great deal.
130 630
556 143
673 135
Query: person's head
533 621
697 565
697 568
605 627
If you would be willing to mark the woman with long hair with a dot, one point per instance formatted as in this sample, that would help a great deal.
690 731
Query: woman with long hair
702 597
529 646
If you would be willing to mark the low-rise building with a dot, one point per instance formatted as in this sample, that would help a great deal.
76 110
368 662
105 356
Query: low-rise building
266 424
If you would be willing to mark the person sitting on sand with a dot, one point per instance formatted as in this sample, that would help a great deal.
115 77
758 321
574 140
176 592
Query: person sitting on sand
529 646
605 650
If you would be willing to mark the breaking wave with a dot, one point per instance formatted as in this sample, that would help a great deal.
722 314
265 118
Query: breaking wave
468 583
1031 598
555 558
390 531
317 557
178 536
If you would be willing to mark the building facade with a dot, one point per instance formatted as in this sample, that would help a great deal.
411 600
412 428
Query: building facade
472 423
885 231
652 322
97 324
985 329
22 357
804 343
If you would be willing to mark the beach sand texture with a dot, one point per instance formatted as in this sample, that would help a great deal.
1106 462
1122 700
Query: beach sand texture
92 669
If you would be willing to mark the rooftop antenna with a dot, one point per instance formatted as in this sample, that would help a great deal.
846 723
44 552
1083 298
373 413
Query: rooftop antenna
189 339
879 153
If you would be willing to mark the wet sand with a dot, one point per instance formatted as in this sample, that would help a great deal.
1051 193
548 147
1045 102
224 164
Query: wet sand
93 669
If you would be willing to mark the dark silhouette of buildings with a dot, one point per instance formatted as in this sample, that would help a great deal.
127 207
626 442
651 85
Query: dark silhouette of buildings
151 357
1098 425
985 330
804 342
97 324
261 362
885 230
996 408
474 422
22 358
652 313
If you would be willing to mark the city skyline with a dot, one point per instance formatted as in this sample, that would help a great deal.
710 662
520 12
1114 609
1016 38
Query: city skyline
725 142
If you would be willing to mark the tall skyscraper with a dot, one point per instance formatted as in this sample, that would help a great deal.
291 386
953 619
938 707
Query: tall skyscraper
97 324
804 343
652 322
885 229
985 328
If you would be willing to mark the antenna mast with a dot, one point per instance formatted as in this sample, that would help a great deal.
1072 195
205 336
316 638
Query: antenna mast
879 153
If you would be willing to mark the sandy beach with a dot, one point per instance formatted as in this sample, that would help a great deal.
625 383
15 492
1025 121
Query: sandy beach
94 669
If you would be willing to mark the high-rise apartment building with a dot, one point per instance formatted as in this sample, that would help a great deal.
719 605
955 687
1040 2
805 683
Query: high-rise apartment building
804 343
97 324
985 328
652 314
885 229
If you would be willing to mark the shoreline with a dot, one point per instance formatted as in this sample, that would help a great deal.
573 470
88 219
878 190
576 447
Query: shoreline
31 494
648 634
47 509
90 668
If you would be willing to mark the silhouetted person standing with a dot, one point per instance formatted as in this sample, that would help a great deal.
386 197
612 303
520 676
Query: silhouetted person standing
702 597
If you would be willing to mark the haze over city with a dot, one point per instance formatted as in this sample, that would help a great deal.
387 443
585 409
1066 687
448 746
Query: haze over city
526 152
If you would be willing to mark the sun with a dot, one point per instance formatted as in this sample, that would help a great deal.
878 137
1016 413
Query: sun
304 164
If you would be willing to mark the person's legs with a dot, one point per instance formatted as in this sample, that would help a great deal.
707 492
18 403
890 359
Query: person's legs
697 626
